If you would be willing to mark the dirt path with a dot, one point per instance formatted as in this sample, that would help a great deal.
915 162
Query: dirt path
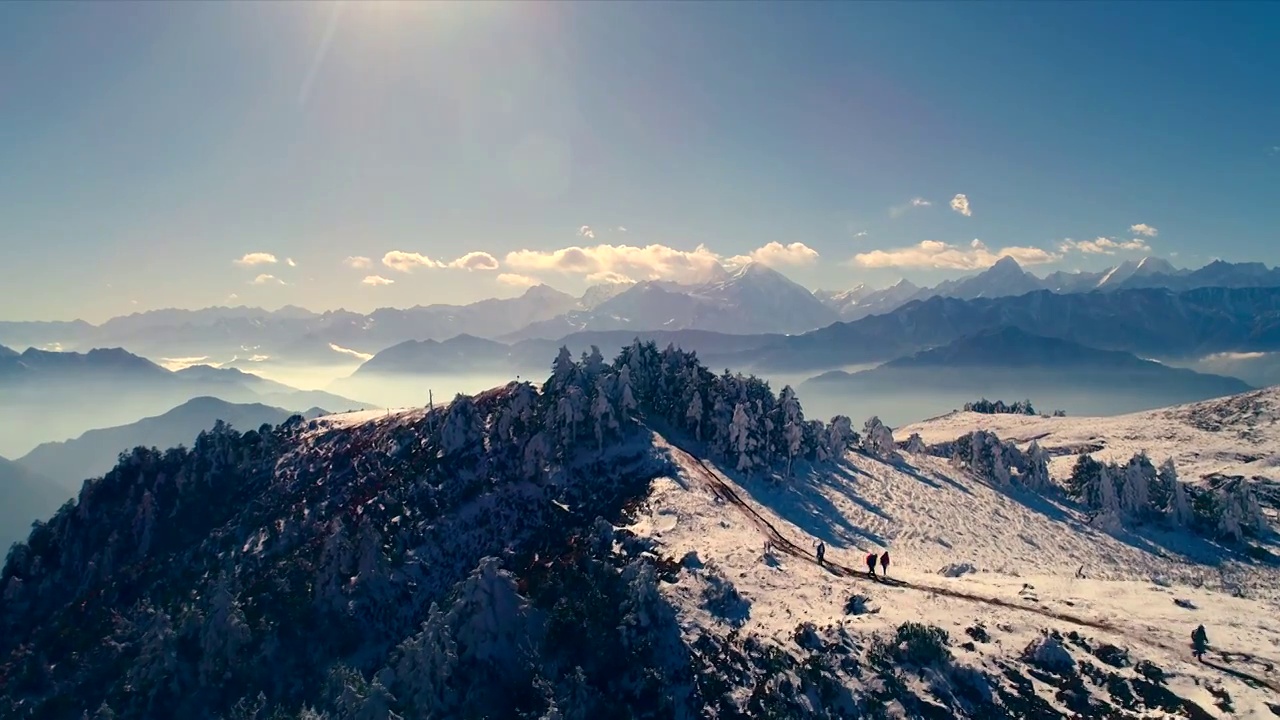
725 491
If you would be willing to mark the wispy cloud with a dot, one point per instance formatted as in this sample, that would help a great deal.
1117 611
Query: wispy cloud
348 351
1104 246
621 229
376 280
256 258
232 297
900 210
586 232
516 280
775 254
265 279
290 262
960 204
1144 229
358 262
652 262
940 255
860 233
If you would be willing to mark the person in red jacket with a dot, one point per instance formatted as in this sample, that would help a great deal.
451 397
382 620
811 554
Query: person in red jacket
884 563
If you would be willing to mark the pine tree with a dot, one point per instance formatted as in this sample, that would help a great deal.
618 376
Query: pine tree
793 424
1135 498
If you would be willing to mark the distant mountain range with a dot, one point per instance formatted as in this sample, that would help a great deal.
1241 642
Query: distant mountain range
1012 362
54 395
95 452
753 300
1152 322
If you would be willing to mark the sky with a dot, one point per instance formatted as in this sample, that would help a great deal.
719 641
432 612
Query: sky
364 155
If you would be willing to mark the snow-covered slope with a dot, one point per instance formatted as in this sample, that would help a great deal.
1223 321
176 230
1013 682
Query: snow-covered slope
974 561
1236 435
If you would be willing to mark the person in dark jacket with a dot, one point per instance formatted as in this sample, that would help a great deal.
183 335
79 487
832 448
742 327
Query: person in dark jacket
871 564
884 563
822 551
1199 642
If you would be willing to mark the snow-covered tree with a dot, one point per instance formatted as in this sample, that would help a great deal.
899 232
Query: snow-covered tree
915 445
1108 498
1178 509
463 431
1037 475
877 439
792 424
740 439
602 417
1135 488
226 632
626 394
693 415
426 669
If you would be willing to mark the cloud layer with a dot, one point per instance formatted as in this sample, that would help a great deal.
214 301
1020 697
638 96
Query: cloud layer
775 254
939 255
376 281
652 262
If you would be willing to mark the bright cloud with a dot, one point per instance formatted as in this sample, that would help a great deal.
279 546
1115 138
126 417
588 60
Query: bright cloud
257 258
402 261
1103 246
900 210
407 261
652 262
348 351
960 204
358 262
775 253
475 261
939 255
1144 230
586 232
265 279
609 278
516 280
377 280
290 262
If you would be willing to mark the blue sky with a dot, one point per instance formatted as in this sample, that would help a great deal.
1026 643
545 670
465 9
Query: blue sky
161 154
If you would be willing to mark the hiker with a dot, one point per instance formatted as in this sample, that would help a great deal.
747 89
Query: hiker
1199 642
822 551
871 563
884 564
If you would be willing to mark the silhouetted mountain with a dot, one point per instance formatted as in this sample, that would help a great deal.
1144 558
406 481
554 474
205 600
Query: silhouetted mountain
1150 322
55 395
1216 274
25 497
6 352
461 354
95 452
